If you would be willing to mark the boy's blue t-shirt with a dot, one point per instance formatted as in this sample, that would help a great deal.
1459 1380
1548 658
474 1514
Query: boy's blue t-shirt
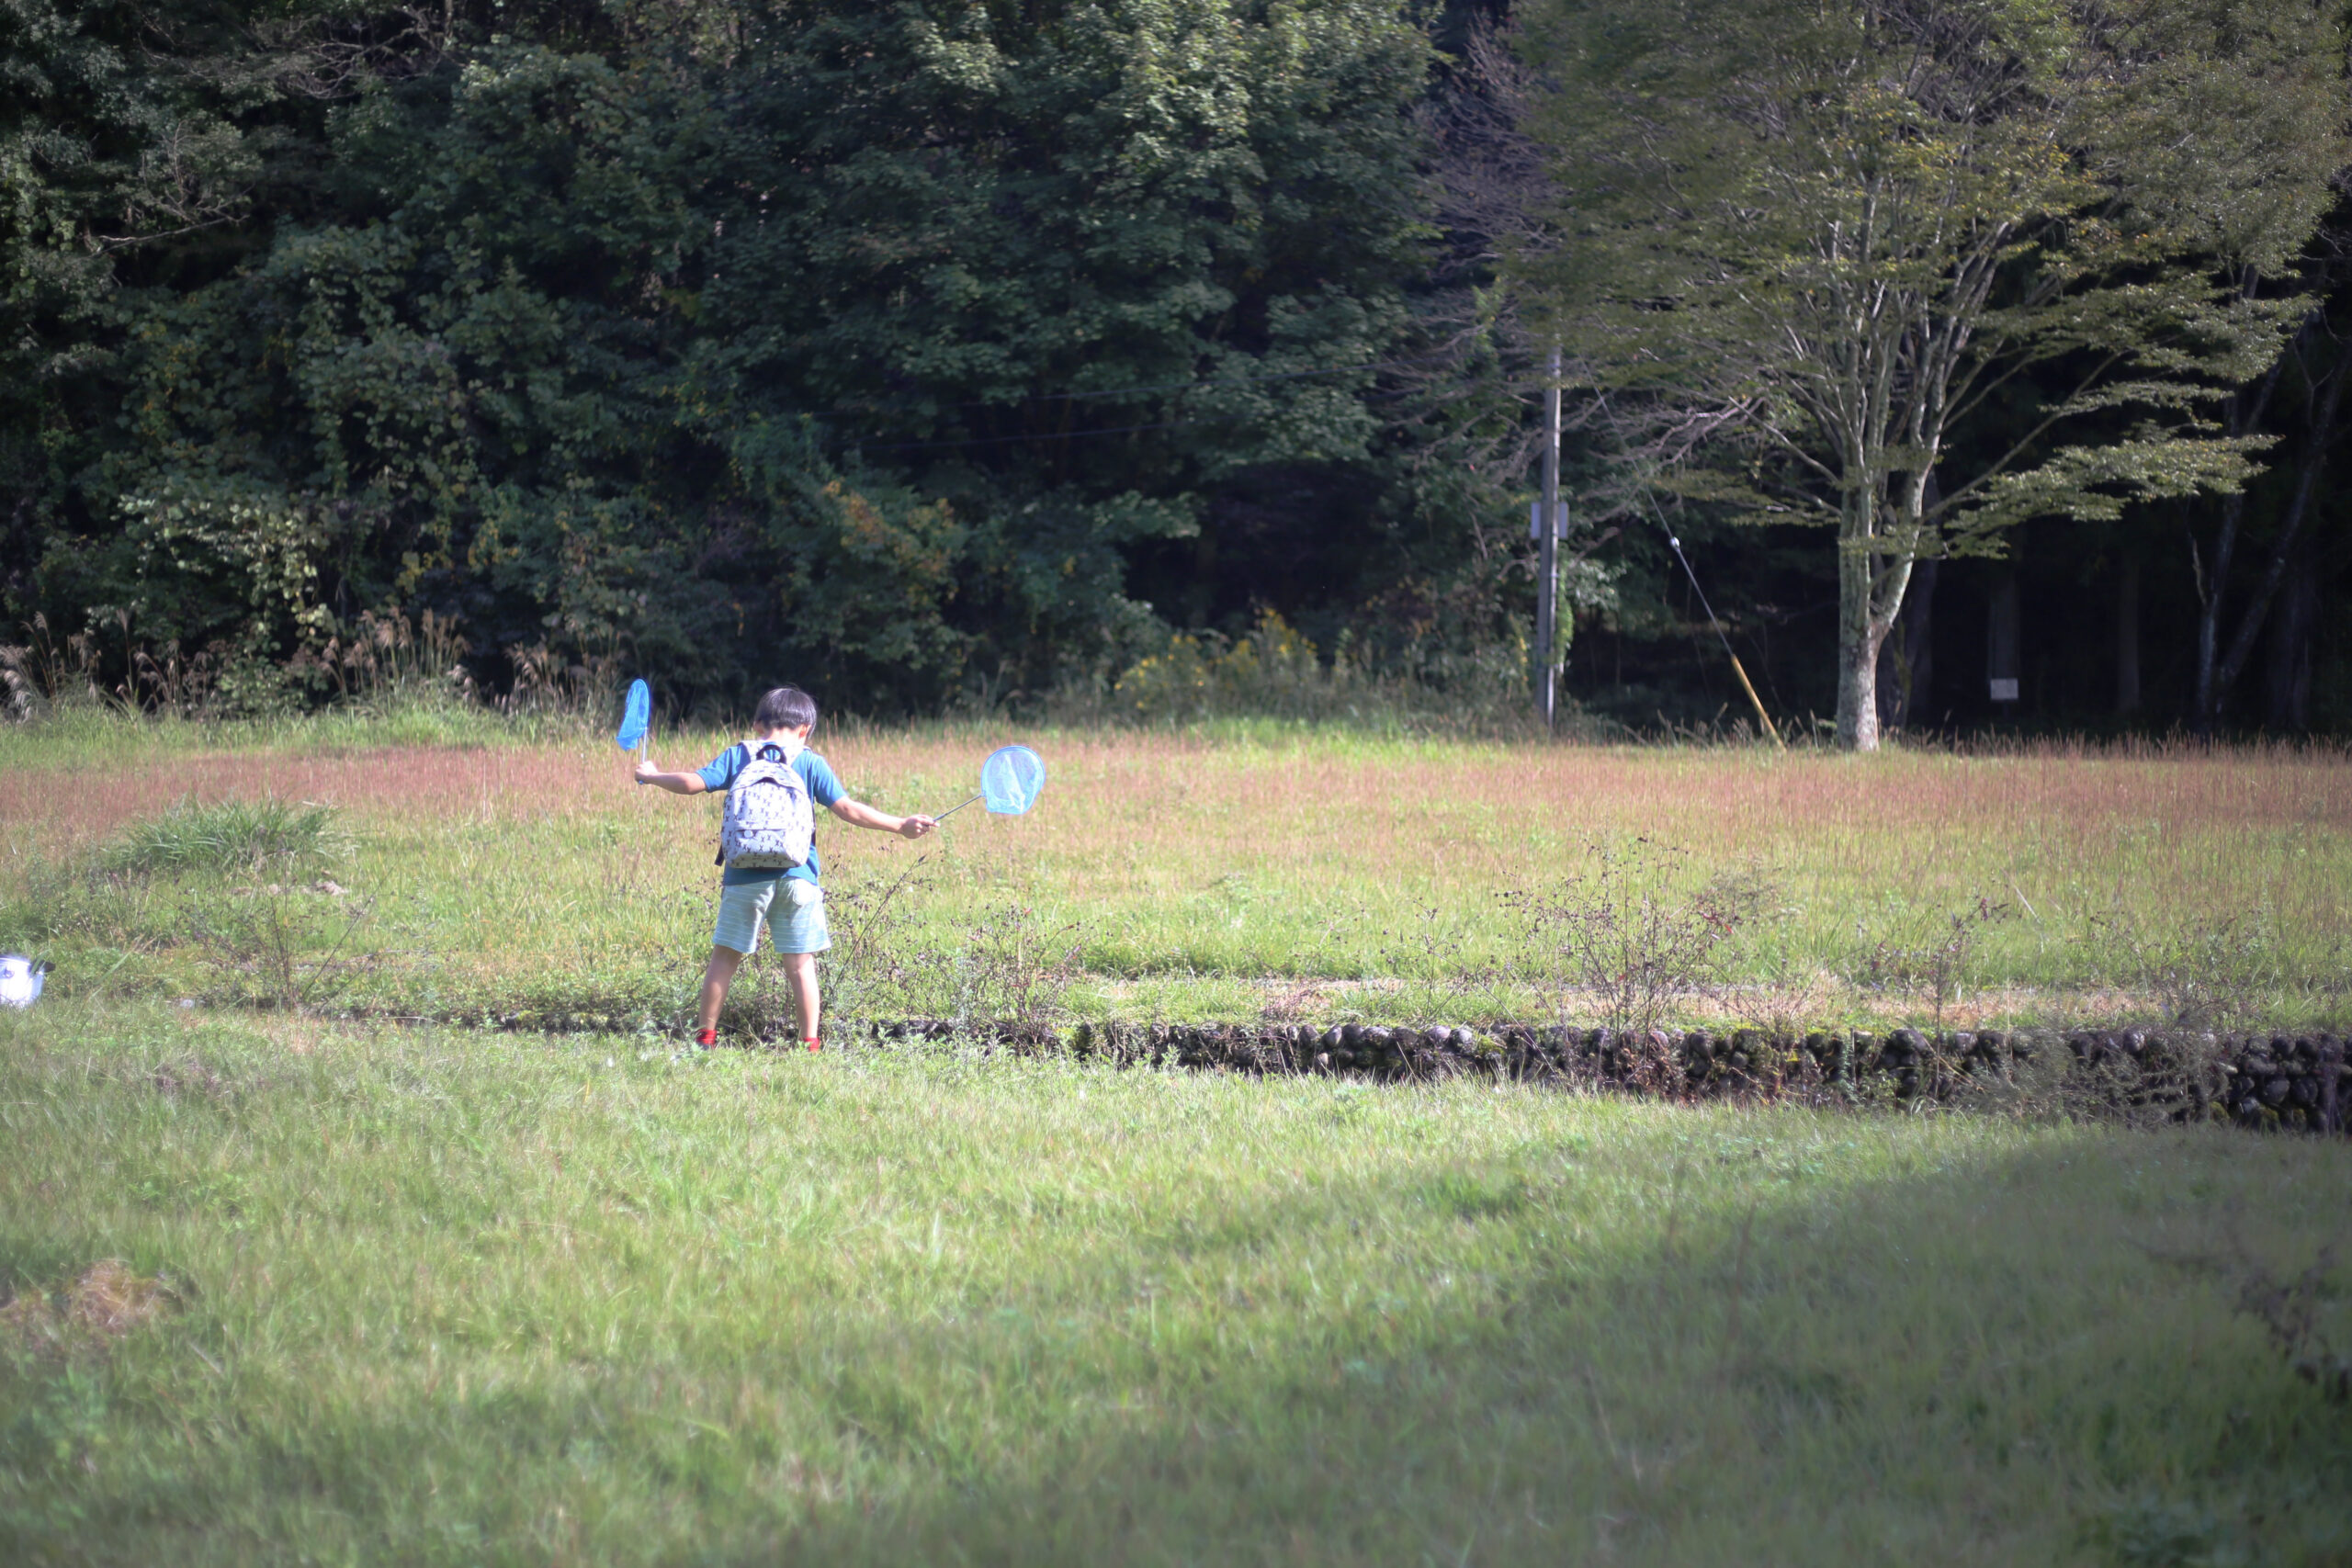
824 788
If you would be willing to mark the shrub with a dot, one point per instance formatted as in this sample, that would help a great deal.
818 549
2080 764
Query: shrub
2214 972
226 835
1271 670
1629 937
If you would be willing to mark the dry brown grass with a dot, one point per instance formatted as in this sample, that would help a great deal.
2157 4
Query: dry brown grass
70 806
1313 855
107 1302
1307 793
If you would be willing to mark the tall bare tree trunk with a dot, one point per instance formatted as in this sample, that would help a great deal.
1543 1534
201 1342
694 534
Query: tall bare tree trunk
2315 456
1870 597
1872 582
1859 634
2126 638
2247 409
2288 689
1858 687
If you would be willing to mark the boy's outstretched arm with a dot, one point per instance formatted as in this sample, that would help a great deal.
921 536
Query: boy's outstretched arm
676 783
864 816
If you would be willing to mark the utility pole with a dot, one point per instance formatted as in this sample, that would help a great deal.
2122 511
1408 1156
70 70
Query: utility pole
1547 554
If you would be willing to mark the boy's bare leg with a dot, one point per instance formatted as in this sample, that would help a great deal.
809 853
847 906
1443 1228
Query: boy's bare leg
800 968
716 977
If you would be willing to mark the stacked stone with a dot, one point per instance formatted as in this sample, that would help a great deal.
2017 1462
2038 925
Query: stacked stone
1368 1050
2258 1081
2275 1080
2287 1082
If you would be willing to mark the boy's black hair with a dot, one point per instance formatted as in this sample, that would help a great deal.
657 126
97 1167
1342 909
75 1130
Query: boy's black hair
786 707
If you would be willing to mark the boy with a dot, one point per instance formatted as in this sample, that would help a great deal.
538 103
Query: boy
790 901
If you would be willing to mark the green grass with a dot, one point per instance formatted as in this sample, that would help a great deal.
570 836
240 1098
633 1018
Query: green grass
225 835
456 1297
93 737
509 869
439 1294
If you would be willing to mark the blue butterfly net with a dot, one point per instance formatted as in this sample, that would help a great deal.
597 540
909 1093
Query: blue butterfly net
1011 779
636 717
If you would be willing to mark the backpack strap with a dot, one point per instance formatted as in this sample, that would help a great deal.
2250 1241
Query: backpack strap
749 757
784 742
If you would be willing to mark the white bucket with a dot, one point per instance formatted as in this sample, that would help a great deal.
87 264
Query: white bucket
20 980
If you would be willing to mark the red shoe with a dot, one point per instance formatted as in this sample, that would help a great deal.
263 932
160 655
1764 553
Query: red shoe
706 1038
812 1044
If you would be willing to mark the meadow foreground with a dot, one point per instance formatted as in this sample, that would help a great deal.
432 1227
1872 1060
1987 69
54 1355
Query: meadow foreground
421 1296
296 1265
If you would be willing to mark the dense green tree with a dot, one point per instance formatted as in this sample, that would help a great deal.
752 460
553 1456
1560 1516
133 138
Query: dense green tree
919 348
105 152
143 150
863 340
1921 269
457 388
2301 397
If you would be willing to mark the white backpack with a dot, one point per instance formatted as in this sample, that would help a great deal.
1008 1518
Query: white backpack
769 823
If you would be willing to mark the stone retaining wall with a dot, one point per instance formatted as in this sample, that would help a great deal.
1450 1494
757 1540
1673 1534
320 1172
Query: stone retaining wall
2264 1081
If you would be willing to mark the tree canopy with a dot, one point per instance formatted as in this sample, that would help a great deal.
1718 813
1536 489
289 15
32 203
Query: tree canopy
868 340
1922 269
942 350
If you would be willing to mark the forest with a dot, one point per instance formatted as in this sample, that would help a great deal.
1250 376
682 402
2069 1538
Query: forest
1984 359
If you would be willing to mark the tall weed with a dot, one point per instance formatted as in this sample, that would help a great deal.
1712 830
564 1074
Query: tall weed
1633 934
47 672
251 837
2213 973
874 970
289 948
1010 969
1015 969
1923 956
1398 671
384 660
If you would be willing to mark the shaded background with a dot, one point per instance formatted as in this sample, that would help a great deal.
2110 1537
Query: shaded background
930 355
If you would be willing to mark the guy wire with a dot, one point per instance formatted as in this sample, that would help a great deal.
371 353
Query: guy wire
1720 636
1736 667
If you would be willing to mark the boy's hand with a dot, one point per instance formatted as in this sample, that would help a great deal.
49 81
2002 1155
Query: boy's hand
915 827
649 773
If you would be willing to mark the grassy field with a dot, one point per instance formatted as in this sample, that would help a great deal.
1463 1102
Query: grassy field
1326 874
280 1286
419 1296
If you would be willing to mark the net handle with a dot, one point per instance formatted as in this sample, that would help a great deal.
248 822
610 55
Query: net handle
953 809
